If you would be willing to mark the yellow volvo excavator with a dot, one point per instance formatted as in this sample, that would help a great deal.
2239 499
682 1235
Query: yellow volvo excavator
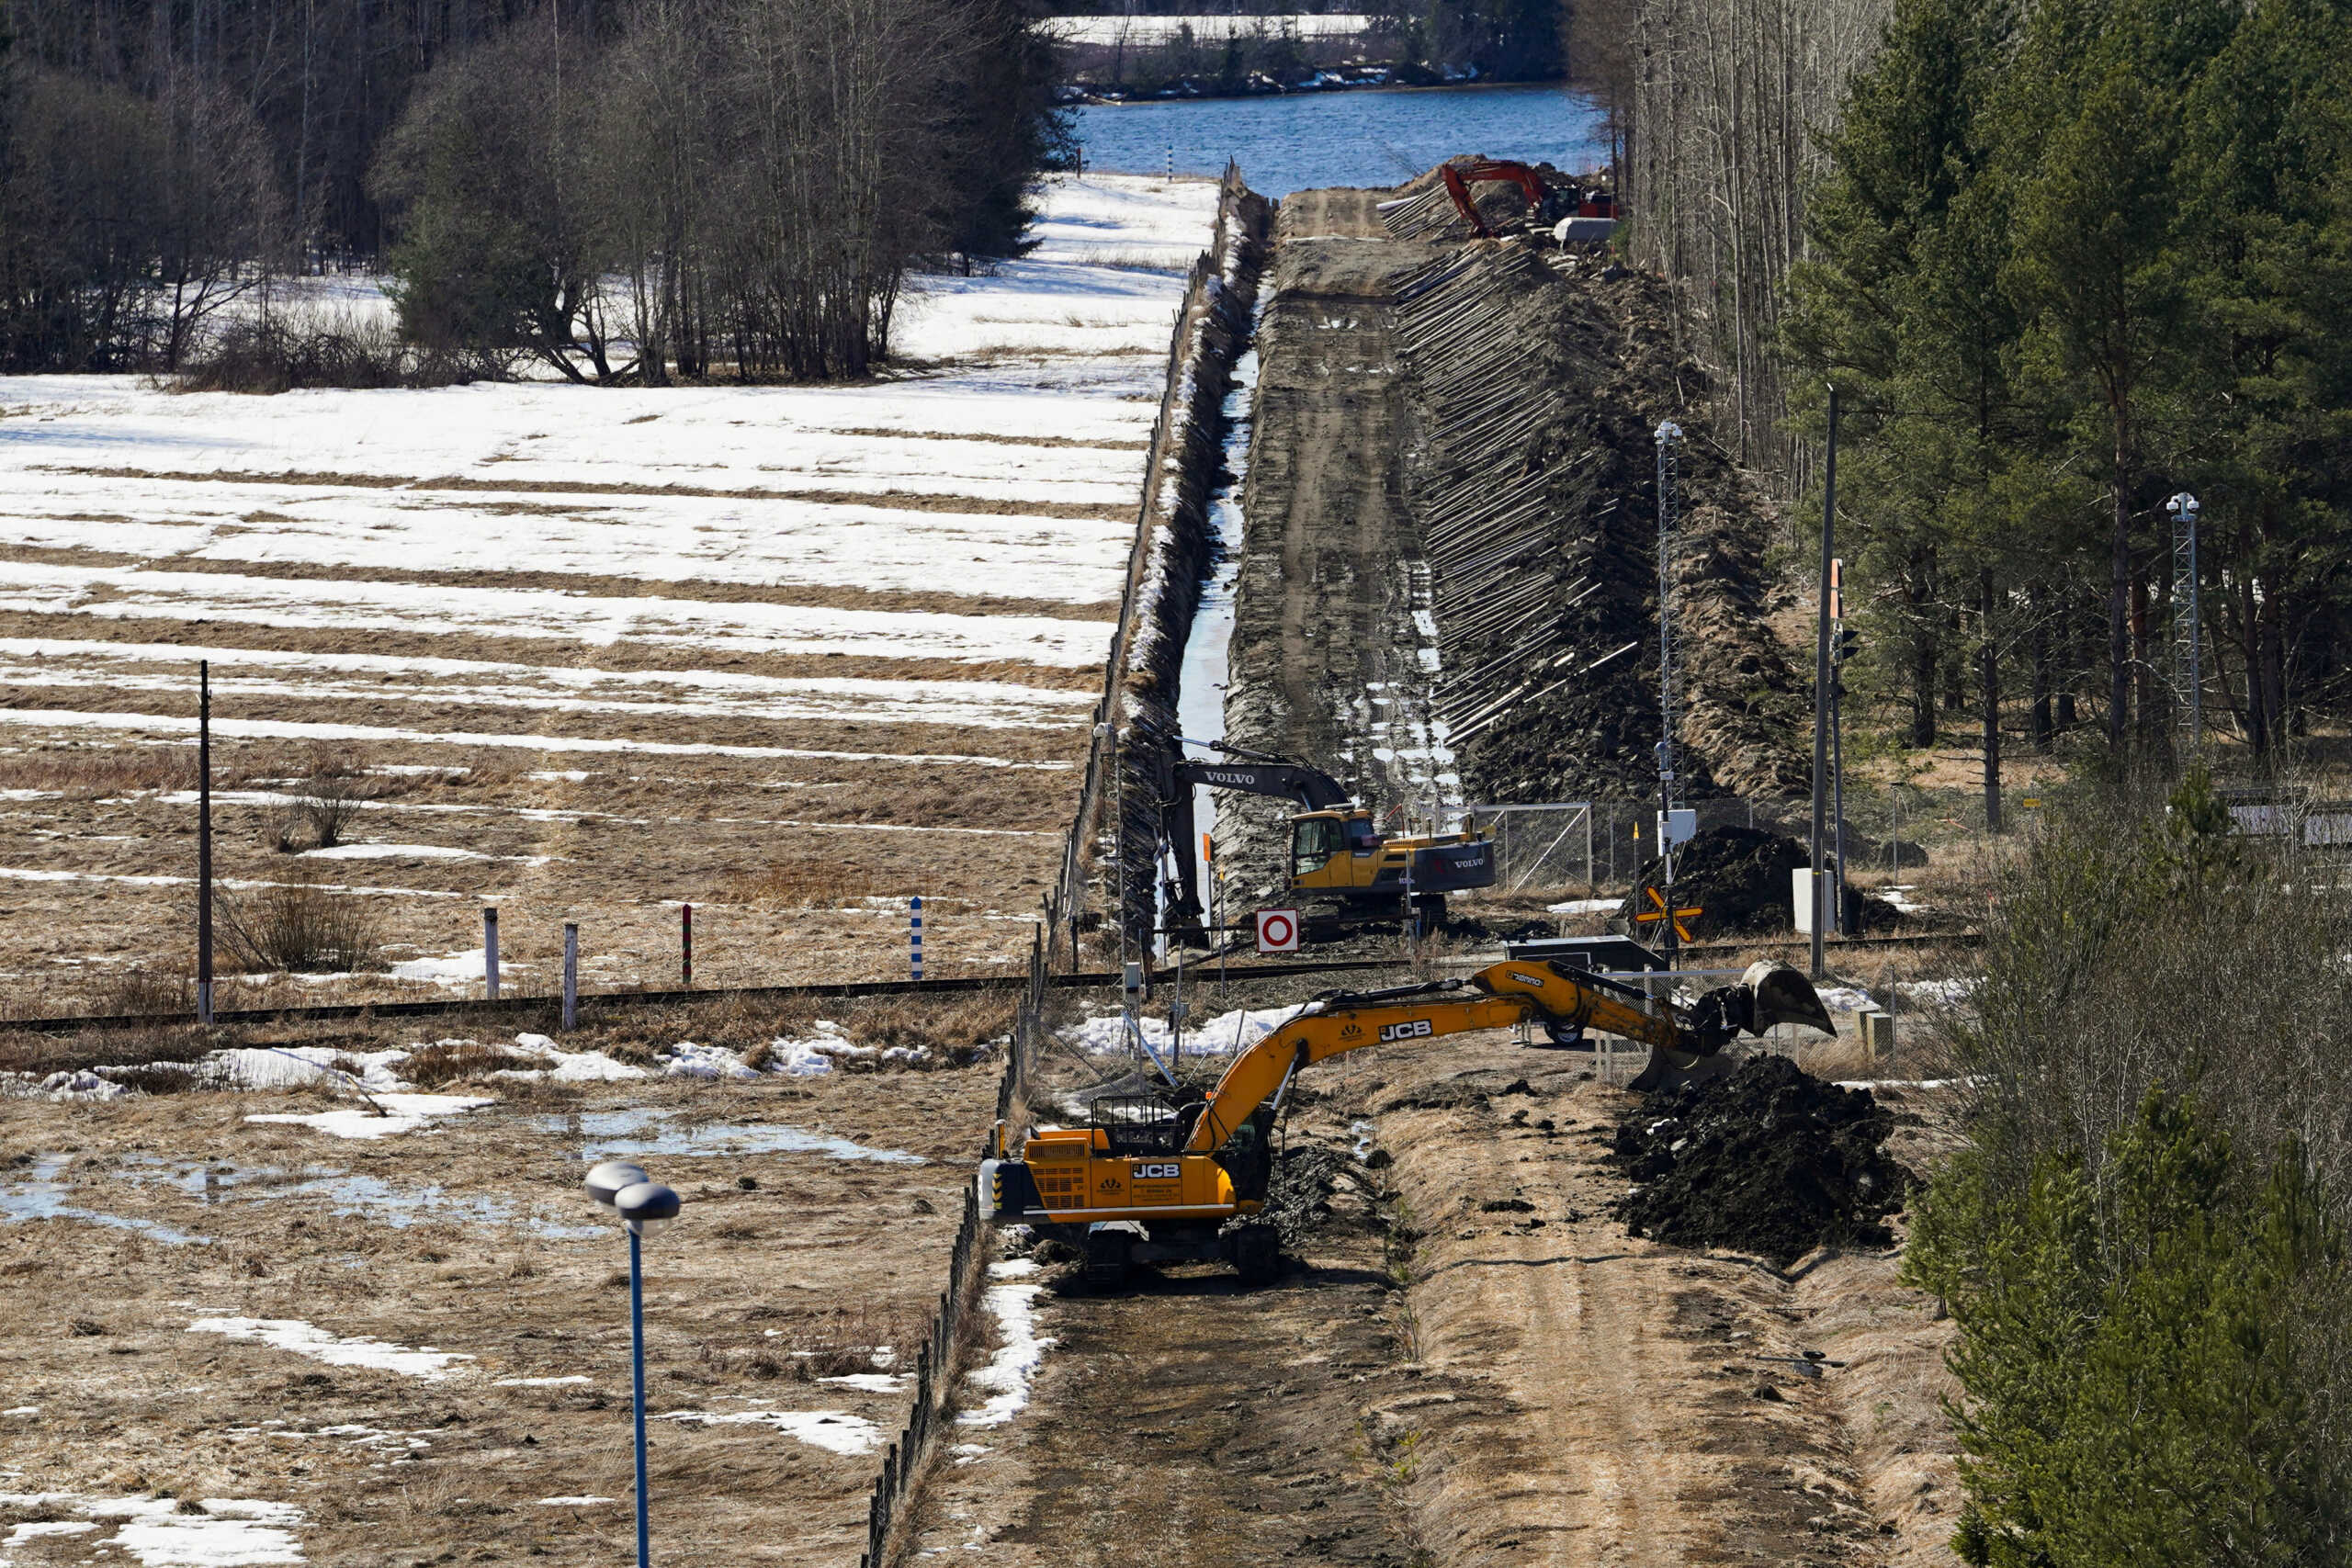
1185 1184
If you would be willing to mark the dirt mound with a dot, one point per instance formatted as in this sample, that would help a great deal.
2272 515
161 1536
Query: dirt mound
1298 1197
1769 1161
1739 876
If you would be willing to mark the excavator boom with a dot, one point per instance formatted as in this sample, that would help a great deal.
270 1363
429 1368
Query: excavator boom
1187 1174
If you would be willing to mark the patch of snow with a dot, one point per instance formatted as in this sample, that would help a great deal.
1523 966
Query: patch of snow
78 1084
451 969
542 1382
223 1532
294 1067
1844 998
407 852
1226 1033
688 1060
403 1114
287 729
837 1431
1940 993
1586 906
870 1382
1007 1376
583 1501
303 1340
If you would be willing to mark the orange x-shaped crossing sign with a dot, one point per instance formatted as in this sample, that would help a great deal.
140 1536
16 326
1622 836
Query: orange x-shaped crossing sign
1651 916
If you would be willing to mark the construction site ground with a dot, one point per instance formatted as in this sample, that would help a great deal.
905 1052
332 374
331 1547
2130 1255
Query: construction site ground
1328 661
1468 1361
1471 1362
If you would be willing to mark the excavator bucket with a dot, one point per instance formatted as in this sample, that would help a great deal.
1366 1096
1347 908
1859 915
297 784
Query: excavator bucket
1782 995
1670 1068
1768 994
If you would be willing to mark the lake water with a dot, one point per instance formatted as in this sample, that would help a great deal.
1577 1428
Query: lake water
1359 137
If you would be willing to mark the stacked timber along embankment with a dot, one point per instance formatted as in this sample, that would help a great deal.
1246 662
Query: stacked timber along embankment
1449 585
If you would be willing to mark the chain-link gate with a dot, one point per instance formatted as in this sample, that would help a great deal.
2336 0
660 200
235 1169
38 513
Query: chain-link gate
1540 849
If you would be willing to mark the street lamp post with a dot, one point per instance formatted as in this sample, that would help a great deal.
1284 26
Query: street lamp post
644 1206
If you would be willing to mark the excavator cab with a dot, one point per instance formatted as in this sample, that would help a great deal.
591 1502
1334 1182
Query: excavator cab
1315 840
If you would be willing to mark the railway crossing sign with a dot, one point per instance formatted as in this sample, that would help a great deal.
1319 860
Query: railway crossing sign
1661 912
1278 931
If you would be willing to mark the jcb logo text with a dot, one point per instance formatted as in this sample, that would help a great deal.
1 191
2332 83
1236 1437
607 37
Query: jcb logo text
1409 1030
1157 1172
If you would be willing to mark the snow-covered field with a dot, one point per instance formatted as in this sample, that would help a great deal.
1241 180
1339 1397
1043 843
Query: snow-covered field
890 599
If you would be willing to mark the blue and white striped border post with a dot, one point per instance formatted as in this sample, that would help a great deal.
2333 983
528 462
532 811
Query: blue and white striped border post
914 932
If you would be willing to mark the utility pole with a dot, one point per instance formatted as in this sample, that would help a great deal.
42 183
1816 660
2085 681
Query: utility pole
1668 483
204 842
2187 628
1838 638
1821 681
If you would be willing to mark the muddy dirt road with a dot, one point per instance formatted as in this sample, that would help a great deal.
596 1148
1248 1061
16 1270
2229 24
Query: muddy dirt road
1183 1422
1633 1404
1472 1363
1333 651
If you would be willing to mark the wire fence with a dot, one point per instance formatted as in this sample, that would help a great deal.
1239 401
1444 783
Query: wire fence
934 1376
904 1461
1066 905
1588 847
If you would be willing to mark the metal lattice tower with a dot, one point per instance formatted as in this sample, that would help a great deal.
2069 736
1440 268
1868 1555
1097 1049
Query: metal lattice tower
2188 674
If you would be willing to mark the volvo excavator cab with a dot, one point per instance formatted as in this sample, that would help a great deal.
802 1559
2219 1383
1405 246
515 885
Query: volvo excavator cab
1343 871
1315 840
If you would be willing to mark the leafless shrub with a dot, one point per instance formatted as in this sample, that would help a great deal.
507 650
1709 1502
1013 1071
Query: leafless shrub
337 786
139 989
275 354
453 1061
297 927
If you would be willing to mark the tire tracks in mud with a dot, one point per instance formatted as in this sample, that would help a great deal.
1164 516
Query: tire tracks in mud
1183 1422
1333 653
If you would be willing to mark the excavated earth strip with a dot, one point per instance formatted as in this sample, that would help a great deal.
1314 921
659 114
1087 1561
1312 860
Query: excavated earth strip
1333 654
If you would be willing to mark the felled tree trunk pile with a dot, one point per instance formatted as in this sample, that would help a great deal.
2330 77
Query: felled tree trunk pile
1537 387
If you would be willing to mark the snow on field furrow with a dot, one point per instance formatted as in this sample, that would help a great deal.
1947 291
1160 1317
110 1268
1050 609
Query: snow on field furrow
130 593
153 879
450 697
736 437
649 538
1000 701
287 729
545 814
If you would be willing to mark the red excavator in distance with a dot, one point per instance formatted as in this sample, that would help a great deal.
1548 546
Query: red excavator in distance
1544 203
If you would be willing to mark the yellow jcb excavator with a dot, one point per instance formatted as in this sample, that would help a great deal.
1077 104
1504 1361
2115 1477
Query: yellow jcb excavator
1151 1181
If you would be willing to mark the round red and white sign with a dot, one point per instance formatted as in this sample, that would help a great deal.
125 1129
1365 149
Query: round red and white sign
1278 931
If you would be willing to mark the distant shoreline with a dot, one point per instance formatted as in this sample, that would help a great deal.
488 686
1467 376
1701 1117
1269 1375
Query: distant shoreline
1086 99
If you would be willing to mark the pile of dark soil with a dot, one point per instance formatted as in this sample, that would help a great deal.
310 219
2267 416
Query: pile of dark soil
1739 876
1769 1161
1298 1196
